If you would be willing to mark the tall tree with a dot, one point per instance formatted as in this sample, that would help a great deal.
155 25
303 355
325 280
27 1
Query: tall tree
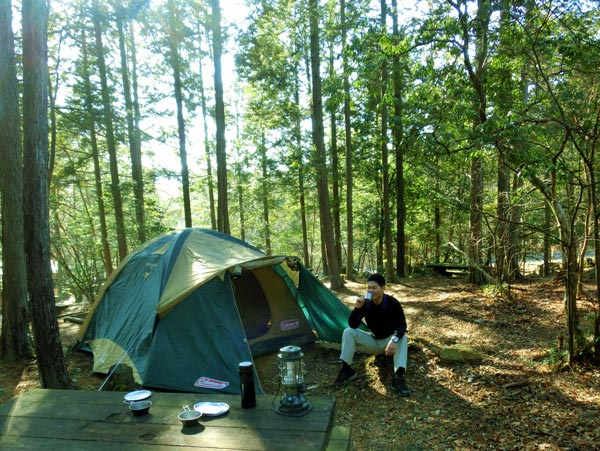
331 29
175 35
348 146
385 164
111 145
475 60
508 215
397 135
207 146
139 188
320 160
14 340
240 197
135 149
88 101
552 133
222 195
50 357
265 189
298 158
571 112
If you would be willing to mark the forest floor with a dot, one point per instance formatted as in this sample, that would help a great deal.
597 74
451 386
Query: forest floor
515 398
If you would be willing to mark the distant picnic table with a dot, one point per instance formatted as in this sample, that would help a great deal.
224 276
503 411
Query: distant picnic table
447 269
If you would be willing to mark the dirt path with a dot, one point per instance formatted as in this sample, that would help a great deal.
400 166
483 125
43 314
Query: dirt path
511 400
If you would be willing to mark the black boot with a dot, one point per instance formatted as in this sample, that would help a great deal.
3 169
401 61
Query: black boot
347 374
399 384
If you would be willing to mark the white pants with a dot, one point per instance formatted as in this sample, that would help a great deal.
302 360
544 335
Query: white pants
352 337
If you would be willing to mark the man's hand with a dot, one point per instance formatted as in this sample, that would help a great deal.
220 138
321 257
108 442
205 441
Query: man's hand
390 349
360 301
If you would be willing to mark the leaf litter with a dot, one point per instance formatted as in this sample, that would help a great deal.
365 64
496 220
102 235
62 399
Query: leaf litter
515 398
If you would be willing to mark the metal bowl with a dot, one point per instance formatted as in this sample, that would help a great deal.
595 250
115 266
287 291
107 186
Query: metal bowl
140 408
189 417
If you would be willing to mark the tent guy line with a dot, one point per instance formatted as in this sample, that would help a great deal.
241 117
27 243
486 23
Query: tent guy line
125 352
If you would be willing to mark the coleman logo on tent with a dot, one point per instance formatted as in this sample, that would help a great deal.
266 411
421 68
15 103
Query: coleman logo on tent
207 382
289 324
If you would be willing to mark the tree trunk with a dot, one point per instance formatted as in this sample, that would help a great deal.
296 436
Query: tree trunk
507 211
307 260
397 134
348 141
207 152
596 234
576 341
50 357
335 176
335 169
115 186
299 158
137 132
89 107
174 62
502 229
135 152
593 190
547 245
476 220
568 246
515 216
222 207
437 223
514 231
380 243
477 75
52 93
385 164
240 193
265 194
324 262
583 244
14 340
503 194
319 143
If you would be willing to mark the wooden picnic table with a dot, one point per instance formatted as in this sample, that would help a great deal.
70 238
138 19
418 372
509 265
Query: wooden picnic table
447 269
89 420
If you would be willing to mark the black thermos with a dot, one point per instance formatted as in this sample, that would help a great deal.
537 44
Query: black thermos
247 385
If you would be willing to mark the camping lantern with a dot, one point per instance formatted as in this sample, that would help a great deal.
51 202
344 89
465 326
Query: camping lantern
291 372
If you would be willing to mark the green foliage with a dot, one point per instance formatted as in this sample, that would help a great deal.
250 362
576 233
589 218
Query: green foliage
493 291
541 82
556 357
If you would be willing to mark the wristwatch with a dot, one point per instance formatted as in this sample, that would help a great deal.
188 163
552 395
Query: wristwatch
395 339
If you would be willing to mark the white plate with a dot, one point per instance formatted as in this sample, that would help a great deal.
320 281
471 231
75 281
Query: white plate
211 409
137 395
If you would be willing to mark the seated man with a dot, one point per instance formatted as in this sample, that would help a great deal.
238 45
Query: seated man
385 319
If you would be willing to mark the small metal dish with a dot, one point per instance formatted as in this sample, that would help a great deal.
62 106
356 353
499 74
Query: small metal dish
138 395
140 408
189 417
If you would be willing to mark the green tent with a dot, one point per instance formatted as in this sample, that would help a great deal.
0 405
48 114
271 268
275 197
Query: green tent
184 309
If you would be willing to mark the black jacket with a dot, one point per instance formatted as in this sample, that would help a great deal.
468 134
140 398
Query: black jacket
382 320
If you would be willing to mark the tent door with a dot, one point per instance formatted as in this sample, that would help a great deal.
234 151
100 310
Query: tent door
253 305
